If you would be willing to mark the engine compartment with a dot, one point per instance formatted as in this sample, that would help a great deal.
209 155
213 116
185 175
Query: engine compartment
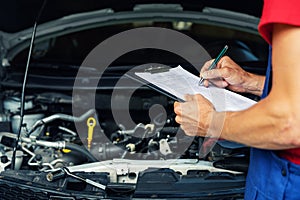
127 161
49 139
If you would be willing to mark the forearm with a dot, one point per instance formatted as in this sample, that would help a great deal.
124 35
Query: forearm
269 125
273 123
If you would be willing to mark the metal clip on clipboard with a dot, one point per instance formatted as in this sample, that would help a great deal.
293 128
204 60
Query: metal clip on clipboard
158 69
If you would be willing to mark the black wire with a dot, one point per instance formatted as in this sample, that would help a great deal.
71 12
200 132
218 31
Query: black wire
82 151
25 83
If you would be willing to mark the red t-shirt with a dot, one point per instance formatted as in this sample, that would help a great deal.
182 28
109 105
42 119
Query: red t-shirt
284 12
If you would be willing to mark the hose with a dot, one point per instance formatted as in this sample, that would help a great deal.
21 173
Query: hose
79 149
61 117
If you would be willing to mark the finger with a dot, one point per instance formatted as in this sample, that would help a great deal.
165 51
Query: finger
188 130
220 64
206 66
224 61
178 119
202 99
216 82
198 97
212 74
218 74
206 83
177 108
219 83
188 97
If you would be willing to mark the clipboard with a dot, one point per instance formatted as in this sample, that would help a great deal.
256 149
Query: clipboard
177 82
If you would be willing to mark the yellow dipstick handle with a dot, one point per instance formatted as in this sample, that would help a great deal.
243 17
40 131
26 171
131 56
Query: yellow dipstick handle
91 123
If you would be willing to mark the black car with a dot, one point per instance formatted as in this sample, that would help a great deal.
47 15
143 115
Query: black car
75 123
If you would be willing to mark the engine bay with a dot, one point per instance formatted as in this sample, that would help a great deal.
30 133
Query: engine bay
50 143
49 138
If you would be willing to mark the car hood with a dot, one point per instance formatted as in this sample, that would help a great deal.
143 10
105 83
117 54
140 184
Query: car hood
23 13
62 17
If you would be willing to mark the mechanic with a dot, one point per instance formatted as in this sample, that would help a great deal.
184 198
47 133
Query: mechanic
272 126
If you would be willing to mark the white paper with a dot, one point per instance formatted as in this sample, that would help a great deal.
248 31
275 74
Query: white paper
179 82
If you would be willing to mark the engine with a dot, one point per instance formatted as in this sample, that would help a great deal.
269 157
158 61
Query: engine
51 137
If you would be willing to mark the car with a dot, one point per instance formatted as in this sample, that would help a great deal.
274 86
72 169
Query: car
77 124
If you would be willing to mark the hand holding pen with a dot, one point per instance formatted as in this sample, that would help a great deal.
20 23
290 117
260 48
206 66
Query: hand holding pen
230 75
215 62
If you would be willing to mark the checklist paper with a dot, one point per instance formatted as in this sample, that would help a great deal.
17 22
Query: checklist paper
178 82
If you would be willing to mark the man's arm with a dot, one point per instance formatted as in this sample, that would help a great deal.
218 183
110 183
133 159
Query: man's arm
273 123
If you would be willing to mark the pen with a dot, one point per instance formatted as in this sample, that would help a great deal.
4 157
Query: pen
215 62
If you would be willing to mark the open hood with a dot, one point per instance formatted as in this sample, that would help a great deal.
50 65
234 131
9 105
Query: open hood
22 14
59 19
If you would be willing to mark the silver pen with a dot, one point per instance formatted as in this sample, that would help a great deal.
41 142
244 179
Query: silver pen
215 62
